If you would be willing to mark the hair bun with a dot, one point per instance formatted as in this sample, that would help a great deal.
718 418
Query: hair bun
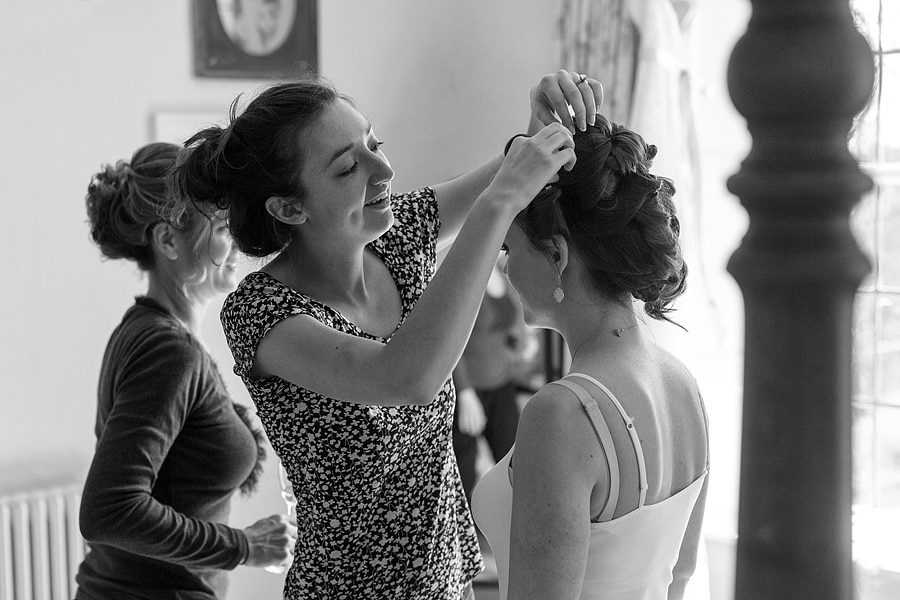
611 173
124 201
617 215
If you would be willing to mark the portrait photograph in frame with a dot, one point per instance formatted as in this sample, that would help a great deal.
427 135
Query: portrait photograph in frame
255 39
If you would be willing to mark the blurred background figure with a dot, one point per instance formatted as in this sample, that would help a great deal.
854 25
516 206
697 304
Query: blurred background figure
172 447
497 365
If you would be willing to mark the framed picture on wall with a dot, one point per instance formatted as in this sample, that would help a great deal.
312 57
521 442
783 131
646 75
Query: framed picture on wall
255 39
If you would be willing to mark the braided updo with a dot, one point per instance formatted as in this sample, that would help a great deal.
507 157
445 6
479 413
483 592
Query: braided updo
618 218
124 201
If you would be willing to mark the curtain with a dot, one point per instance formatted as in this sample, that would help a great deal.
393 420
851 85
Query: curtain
640 51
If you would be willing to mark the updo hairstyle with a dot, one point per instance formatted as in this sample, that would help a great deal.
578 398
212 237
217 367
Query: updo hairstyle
617 217
124 201
258 155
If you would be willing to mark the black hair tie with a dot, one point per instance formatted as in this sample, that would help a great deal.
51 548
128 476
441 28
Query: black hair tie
509 143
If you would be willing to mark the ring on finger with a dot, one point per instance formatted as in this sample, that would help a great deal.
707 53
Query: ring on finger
581 79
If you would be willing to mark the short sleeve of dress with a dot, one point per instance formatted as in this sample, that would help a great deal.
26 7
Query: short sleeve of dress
250 312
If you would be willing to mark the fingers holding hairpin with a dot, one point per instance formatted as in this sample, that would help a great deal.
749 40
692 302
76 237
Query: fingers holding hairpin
564 97
550 101
533 161
597 89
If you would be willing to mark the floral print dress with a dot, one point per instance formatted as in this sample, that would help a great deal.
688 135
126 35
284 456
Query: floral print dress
381 511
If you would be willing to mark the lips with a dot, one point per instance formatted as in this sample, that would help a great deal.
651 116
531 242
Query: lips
378 199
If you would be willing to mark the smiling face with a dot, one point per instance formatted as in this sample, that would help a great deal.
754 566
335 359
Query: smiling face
345 176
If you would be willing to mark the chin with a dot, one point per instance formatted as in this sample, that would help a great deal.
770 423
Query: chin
227 283
533 319
528 317
389 216
386 224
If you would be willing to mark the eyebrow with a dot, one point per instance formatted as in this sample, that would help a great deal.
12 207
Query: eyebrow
346 148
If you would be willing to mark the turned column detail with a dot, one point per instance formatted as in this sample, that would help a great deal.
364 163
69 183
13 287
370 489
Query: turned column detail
799 75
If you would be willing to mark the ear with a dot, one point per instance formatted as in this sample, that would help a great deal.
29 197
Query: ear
163 239
559 252
286 209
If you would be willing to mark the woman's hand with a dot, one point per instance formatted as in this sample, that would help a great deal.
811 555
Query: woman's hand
531 163
558 95
271 541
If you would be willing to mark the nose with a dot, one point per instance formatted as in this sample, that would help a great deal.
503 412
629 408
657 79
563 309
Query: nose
382 172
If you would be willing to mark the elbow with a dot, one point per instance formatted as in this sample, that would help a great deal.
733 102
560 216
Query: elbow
96 521
411 397
415 390
395 380
423 395
91 527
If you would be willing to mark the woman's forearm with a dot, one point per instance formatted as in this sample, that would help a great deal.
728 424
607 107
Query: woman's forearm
441 322
456 198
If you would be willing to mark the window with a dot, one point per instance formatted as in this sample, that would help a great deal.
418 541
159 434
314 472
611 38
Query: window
876 220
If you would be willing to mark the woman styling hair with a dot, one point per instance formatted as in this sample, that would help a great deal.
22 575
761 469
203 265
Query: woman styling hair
347 338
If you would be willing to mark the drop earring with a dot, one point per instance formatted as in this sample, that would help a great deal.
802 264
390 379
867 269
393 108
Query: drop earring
558 293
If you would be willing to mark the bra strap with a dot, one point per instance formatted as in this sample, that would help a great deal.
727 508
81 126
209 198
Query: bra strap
705 422
635 439
606 442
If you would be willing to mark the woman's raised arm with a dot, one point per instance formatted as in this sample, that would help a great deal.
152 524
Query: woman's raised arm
412 367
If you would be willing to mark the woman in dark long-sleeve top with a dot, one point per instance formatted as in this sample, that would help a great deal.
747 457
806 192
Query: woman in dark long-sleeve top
172 447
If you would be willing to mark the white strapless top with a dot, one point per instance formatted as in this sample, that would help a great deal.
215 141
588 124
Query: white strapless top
630 557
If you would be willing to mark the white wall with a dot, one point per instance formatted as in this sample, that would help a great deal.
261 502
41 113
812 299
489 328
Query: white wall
445 84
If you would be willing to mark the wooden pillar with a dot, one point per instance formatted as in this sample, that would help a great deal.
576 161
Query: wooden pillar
798 75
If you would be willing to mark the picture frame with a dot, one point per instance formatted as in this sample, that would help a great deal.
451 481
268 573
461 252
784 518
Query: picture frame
255 39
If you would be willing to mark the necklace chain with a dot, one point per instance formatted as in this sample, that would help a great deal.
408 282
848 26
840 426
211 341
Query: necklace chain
617 332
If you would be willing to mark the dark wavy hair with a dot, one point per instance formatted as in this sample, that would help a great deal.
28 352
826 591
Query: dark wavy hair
617 216
125 200
258 155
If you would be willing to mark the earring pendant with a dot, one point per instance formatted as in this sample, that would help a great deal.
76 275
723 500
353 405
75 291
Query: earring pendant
558 294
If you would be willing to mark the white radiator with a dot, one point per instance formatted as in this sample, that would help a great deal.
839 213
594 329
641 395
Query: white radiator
40 545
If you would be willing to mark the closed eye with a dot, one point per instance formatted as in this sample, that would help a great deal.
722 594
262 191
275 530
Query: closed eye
374 147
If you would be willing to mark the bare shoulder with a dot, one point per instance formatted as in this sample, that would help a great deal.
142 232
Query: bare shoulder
674 370
555 432
551 405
